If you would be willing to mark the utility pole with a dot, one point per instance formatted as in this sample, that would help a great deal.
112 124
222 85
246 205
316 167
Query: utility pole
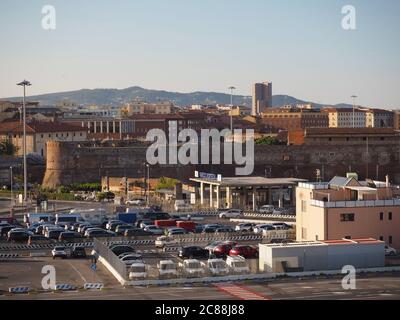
24 84
12 191
232 89
148 184
354 110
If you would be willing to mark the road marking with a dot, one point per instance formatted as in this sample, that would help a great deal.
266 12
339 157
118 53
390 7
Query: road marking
77 271
240 292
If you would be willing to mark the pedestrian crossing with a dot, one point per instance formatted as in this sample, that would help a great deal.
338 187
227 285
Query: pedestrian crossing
240 292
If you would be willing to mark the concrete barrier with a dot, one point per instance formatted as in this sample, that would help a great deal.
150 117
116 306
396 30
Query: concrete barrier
19 290
93 286
112 270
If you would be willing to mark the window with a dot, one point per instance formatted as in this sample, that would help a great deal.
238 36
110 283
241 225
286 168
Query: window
381 216
303 206
390 216
347 217
304 233
390 240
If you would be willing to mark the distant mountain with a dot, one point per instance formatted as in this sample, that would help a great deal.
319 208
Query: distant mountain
117 97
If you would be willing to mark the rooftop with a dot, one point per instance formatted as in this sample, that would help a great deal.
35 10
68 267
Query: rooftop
249 181
37 127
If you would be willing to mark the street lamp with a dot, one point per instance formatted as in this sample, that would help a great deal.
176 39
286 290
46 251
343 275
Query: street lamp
11 181
148 184
232 89
354 110
24 84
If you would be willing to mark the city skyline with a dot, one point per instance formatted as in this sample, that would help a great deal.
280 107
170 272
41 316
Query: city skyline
306 54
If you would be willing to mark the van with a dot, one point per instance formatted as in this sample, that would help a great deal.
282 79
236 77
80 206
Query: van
93 216
32 218
66 219
237 264
167 268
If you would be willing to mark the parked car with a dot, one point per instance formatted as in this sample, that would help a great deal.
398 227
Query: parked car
154 230
136 202
193 252
18 235
258 229
100 234
210 228
78 252
113 226
146 223
130 259
165 241
59 252
110 222
119 249
280 211
69 236
167 268
267 209
245 227
389 251
54 233
224 230
282 226
217 267
212 245
237 264
120 230
5 229
232 213
138 270
247 252
221 250
136 232
175 231
192 267
39 239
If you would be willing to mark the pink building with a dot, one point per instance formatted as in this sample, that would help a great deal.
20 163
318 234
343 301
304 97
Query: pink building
347 208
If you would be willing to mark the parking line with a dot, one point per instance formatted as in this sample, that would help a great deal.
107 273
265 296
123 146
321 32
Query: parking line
240 292
82 277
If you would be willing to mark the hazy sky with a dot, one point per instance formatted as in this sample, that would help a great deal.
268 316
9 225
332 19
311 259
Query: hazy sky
205 45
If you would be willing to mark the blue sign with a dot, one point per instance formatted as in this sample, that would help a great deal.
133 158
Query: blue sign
93 266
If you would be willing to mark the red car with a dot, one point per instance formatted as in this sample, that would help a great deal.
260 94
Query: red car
222 250
247 252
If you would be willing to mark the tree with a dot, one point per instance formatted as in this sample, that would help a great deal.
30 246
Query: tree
7 148
269 141
166 183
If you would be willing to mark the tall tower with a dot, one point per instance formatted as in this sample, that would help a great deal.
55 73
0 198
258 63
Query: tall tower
262 97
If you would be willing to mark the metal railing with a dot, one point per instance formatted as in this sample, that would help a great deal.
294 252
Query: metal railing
355 204
103 251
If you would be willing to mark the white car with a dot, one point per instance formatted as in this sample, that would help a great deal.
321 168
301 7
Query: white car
237 264
138 270
245 227
217 267
165 241
131 259
167 268
192 267
136 202
154 230
389 251
233 213
258 229
59 252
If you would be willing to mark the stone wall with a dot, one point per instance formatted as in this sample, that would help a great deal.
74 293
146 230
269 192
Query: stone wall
88 162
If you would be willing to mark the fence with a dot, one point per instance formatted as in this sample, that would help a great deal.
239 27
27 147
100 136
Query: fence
103 251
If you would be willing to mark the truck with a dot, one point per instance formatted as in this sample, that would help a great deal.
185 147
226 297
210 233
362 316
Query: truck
189 226
129 218
165 223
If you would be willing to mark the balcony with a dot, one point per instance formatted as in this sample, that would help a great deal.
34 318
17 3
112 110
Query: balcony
355 204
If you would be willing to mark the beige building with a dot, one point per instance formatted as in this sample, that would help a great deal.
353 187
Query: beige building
148 108
346 118
262 97
396 116
38 134
347 208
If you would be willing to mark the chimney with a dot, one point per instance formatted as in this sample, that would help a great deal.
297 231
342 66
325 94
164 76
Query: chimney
387 181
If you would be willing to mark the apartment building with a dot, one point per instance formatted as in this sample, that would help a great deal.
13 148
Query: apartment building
262 97
379 118
347 208
149 108
38 134
346 118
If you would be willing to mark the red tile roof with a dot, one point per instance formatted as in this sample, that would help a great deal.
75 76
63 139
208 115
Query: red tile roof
37 127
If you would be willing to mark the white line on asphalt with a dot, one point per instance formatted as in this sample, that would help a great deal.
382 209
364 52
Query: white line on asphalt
80 274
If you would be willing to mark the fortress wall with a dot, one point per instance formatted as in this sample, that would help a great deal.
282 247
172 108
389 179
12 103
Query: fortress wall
78 163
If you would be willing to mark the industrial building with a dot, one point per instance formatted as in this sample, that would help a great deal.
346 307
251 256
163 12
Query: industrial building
321 255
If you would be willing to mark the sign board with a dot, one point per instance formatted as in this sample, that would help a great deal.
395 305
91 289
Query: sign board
93 266
209 176
192 198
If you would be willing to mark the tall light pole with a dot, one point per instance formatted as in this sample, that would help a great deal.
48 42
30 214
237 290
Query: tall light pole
354 110
12 191
24 84
148 184
232 89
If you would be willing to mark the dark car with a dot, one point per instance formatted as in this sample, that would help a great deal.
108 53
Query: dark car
120 230
5 229
224 230
120 249
18 236
69 235
247 252
136 232
282 226
210 229
78 252
114 225
100 234
39 239
193 252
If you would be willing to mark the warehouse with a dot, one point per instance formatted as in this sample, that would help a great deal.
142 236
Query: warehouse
322 255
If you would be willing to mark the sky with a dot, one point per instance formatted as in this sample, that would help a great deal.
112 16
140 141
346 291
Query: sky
205 45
